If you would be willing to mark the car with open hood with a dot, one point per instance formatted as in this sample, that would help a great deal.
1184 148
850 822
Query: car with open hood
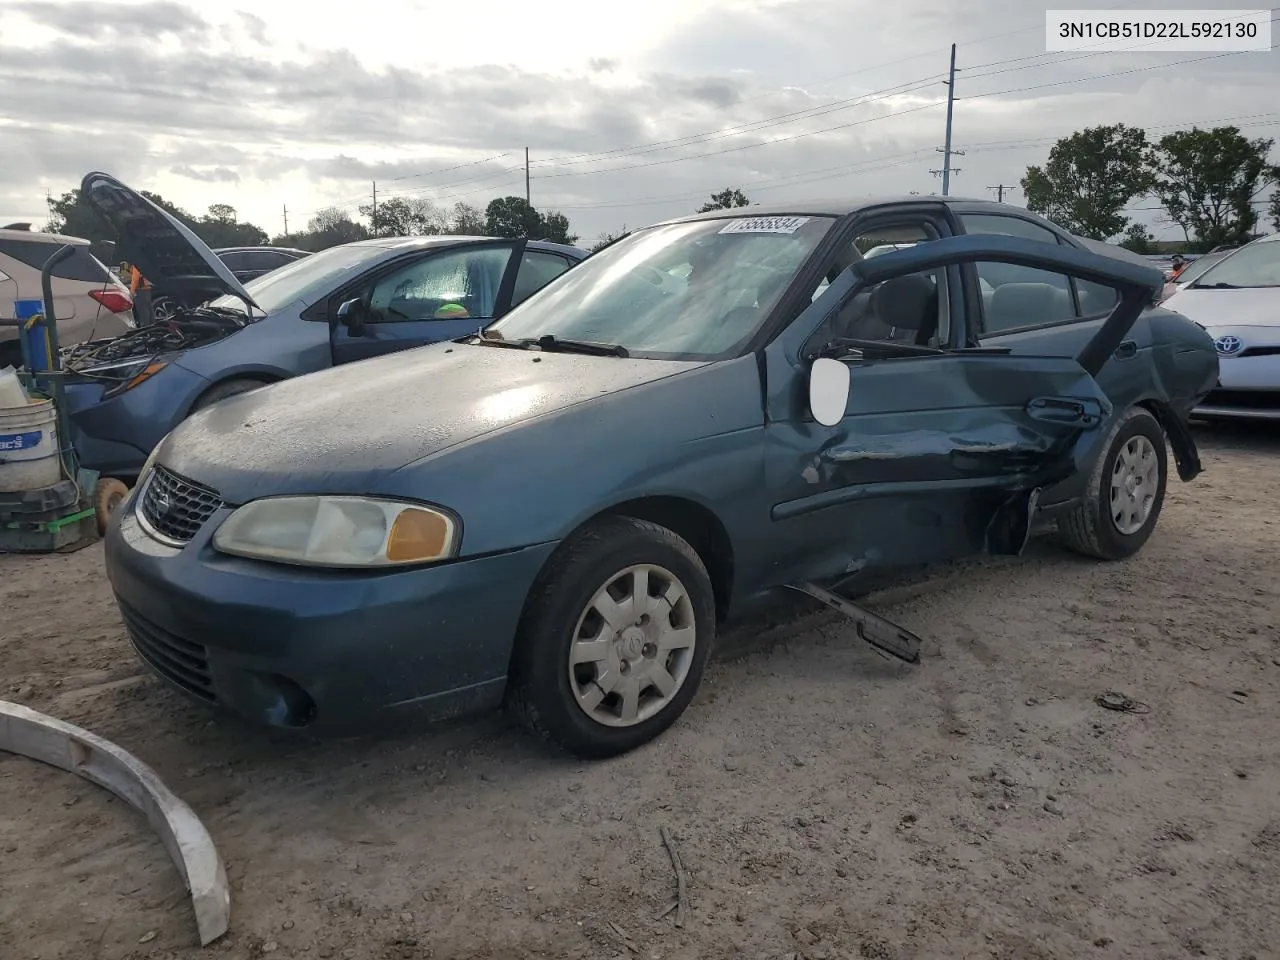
1237 300
398 292
559 509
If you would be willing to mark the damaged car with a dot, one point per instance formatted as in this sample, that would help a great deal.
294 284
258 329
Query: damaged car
127 392
557 511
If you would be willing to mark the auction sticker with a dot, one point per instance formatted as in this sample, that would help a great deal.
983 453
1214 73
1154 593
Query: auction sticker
765 225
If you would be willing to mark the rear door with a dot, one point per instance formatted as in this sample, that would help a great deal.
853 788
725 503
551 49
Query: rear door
439 295
942 450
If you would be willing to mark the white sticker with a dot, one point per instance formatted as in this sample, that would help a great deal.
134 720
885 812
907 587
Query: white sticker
765 225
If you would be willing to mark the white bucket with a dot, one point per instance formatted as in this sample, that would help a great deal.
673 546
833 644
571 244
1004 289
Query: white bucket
29 447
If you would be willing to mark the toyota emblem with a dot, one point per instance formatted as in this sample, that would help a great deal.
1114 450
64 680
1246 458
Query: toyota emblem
1228 346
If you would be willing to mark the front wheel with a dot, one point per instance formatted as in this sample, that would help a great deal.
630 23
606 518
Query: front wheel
614 638
1125 494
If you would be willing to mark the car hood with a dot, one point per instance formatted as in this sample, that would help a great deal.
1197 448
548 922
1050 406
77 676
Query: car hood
1215 309
157 243
343 430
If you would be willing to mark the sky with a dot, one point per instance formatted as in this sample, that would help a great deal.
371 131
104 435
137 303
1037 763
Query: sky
632 112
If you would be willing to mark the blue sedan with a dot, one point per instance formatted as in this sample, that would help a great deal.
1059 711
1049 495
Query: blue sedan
558 510
399 292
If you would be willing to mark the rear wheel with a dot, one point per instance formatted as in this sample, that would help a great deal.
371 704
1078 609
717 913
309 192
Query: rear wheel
1125 494
614 638
227 388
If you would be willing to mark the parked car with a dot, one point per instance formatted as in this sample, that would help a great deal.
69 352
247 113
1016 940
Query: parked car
1193 270
559 509
245 263
88 300
1237 300
400 292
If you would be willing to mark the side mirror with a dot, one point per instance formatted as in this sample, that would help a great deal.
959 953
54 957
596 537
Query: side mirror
351 314
828 390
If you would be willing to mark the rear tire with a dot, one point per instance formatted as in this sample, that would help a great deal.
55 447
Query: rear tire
1125 493
227 388
614 638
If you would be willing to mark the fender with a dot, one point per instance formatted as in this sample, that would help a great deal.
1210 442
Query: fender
1185 453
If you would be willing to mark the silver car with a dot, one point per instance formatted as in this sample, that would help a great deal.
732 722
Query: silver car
1238 301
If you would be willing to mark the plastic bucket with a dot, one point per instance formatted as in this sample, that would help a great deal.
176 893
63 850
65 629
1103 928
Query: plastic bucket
29 447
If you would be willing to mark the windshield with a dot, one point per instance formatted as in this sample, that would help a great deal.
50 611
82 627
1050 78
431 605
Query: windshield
1196 268
695 290
302 279
1257 265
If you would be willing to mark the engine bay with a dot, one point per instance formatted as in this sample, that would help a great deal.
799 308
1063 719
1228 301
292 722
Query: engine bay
115 357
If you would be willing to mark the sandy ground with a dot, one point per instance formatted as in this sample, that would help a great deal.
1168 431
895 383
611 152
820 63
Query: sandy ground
826 802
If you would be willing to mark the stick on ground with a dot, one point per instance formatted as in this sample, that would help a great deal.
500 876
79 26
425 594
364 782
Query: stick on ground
682 878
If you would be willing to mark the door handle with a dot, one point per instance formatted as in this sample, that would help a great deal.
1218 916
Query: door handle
1127 350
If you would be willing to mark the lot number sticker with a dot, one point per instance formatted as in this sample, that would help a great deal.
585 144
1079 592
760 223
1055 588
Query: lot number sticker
765 225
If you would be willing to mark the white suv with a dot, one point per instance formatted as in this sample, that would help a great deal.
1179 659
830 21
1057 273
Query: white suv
88 299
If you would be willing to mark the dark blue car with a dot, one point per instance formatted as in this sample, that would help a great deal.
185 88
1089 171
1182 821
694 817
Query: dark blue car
130 391
560 509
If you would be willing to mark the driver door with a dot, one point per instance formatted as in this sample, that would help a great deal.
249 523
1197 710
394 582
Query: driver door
942 450
425 299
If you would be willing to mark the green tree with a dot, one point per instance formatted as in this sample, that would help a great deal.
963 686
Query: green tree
404 217
218 228
1138 239
1090 177
1207 181
70 216
1273 209
466 221
726 199
555 228
607 238
330 227
512 217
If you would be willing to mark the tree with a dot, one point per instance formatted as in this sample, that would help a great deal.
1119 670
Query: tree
555 228
726 199
466 221
221 213
1273 211
1207 180
607 238
404 217
218 228
1090 177
1138 239
70 215
330 227
515 218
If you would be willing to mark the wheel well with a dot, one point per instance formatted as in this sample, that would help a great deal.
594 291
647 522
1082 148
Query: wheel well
262 378
698 526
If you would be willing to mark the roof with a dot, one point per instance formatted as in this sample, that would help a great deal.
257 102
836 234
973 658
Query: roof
413 243
837 207
32 236
260 247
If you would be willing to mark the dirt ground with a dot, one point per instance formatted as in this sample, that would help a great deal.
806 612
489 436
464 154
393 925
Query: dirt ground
827 803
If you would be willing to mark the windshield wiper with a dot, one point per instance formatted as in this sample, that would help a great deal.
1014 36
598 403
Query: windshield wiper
497 341
1214 286
553 344
880 348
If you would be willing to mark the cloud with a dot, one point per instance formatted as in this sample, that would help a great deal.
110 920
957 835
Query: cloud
785 99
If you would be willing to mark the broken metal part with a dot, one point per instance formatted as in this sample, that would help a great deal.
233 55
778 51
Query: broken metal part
40 737
873 629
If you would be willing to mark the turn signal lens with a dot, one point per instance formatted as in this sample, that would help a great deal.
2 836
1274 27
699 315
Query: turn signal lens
418 535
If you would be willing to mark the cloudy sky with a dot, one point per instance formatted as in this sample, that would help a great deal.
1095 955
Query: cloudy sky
632 110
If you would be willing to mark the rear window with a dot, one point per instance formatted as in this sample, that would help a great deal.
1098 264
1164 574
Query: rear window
81 265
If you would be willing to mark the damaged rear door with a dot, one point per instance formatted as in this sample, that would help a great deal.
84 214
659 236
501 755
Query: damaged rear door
943 446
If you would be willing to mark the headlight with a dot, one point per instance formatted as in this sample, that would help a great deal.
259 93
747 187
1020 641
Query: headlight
338 532
128 373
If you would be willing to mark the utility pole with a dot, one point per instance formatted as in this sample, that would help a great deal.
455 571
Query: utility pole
286 219
946 151
527 199
1000 189
374 218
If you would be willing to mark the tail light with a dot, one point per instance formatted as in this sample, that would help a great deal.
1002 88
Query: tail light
113 301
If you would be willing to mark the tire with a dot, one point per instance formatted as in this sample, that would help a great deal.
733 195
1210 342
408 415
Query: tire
227 388
544 689
1092 528
107 496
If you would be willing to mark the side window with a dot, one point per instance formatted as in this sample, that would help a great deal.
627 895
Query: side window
236 261
265 260
447 286
537 269
1018 297
910 309
1095 299
1007 227
81 265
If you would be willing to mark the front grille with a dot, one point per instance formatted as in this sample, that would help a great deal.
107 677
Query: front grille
175 507
179 661
1246 399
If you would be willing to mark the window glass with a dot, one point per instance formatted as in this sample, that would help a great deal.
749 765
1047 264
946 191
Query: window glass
1007 227
235 261
537 269
306 279
698 289
909 310
449 286
1257 265
1095 299
1014 297
81 265
265 260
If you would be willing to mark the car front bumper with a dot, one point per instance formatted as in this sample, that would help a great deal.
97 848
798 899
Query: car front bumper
1248 389
328 651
